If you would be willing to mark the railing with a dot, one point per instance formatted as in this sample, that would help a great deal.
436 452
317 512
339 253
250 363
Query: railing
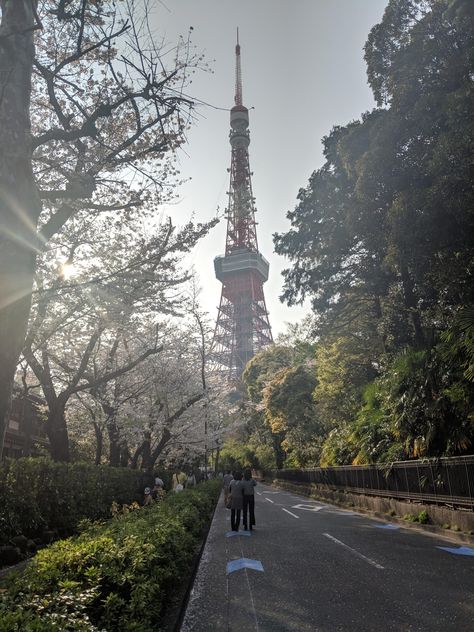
445 481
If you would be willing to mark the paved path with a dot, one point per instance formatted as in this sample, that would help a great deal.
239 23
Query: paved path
329 570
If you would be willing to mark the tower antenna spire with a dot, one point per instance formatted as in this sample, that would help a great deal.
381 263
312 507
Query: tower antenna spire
242 326
238 73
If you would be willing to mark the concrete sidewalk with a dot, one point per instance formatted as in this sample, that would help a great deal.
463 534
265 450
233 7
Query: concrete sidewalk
221 601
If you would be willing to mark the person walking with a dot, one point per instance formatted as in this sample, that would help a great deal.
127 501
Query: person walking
148 500
190 481
179 478
225 483
248 486
158 492
236 500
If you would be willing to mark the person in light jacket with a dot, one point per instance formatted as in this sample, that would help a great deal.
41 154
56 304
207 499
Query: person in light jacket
236 500
226 485
248 507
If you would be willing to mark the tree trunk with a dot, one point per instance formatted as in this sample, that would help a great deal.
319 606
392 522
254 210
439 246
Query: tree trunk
216 463
136 456
147 465
114 442
56 430
99 443
20 205
411 305
379 315
278 450
124 454
165 437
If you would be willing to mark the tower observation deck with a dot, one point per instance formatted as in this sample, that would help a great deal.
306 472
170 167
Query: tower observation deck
242 326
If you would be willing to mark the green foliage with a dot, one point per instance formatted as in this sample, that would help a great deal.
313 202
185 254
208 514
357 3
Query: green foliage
382 243
260 370
22 620
344 365
431 411
38 494
287 398
117 576
290 413
236 454
337 448
457 346
409 517
372 431
280 417
262 367
417 408
421 517
375 224
264 455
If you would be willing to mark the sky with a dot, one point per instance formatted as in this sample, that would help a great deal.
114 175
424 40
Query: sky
303 73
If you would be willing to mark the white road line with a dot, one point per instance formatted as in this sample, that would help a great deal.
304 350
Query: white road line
270 500
290 512
252 602
363 557
259 493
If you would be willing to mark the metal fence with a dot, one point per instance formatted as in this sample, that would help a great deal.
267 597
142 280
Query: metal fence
446 481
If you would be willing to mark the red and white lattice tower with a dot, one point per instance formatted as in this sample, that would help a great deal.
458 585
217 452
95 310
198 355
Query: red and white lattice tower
242 326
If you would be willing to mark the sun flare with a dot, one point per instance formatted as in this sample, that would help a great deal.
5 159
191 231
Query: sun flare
68 270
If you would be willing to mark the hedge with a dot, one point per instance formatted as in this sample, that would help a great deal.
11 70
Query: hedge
37 494
117 576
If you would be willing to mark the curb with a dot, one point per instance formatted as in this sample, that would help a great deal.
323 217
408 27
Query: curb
428 529
192 577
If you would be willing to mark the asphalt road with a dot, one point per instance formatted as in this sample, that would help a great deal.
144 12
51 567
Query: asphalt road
326 570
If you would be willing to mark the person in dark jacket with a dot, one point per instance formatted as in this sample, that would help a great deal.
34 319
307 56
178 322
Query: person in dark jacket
236 500
248 507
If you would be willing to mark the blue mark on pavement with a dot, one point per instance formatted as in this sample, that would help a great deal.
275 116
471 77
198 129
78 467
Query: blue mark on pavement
244 562
462 550
387 526
230 534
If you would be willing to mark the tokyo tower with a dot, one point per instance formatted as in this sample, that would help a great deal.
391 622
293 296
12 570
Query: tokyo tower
242 326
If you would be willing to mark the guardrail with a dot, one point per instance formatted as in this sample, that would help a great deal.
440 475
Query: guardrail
444 481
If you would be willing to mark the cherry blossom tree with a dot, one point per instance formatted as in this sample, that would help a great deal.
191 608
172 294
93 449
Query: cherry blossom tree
92 112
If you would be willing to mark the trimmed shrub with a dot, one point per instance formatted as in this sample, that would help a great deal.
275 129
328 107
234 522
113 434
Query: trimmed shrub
37 494
117 576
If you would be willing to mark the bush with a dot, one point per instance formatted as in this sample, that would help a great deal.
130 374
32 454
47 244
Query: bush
25 621
37 494
117 576
421 517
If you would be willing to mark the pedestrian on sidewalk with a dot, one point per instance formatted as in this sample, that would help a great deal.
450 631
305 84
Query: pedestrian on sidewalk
248 485
190 481
225 483
148 500
179 478
236 500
